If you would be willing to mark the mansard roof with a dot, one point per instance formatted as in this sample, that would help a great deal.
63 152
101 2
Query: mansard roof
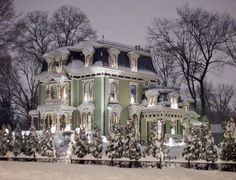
101 55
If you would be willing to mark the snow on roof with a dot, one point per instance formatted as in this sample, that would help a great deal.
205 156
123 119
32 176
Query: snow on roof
48 76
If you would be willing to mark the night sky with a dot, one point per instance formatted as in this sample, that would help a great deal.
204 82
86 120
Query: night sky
125 21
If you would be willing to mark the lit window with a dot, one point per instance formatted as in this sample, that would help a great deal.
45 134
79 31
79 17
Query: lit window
87 60
114 119
89 121
88 91
113 57
113 92
133 64
84 120
174 102
151 101
136 123
133 94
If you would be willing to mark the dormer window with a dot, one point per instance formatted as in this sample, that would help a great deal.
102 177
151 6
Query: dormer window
151 101
133 61
88 57
173 99
113 57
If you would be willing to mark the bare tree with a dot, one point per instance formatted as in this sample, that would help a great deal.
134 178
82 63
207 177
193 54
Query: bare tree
195 39
70 26
35 37
222 99
25 85
165 67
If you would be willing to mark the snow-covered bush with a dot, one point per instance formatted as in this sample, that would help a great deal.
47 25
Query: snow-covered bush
80 145
115 145
156 146
17 147
193 144
132 146
229 142
96 146
46 147
31 142
208 147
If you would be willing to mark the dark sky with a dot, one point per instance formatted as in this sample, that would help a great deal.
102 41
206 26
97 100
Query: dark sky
125 21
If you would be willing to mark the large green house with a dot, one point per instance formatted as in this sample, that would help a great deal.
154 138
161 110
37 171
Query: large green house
99 83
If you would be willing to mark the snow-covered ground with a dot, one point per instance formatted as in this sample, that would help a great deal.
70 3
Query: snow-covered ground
10 170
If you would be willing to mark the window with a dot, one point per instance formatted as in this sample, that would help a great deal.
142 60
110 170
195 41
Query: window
133 64
151 101
113 61
84 121
114 119
174 102
113 92
136 123
133 61
87 60
89 121
88 91
62 122
133 91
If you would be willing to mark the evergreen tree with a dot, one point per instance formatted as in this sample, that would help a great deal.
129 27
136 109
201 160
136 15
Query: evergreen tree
31 142
10 138
193 144
132 146
46 147
80 146
115 146
156 146
18 141
3 141
208 148
229 142
96 147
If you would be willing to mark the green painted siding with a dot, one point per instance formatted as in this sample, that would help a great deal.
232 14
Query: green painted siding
124 100
168 124
42 94
143 129
98 82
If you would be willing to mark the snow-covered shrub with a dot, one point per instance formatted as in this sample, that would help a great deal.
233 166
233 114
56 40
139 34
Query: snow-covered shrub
46 147
208 147
156 146
96 146
193 144
31 142
229 142
115 145
80 145
17 147
132 146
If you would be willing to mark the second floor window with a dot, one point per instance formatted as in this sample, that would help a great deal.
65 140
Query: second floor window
88 91
113 92
133 92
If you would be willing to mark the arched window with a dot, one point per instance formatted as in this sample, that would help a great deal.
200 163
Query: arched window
89 121
174 102
84 120
113 61
133 64
63 122
133 91
113 92
114 119
88 91
136 123
87 60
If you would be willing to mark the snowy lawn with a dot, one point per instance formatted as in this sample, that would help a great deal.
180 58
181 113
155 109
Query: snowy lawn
10 170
